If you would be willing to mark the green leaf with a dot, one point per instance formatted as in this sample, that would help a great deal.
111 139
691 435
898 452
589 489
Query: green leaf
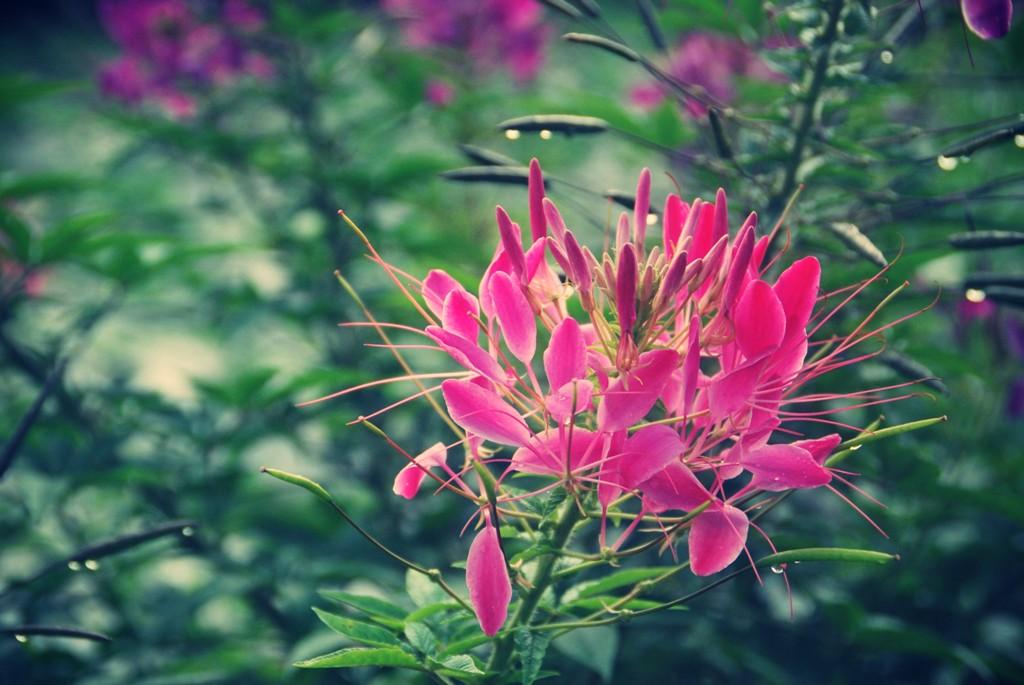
431 609
422 638
362 656
367 633
460 663
863 556
531 647
422 590
391 614
595 648
462 646
629 576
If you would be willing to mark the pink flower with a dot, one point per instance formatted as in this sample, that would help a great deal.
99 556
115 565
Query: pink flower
439 93
673 377
492 34
711 62
988 19
170 52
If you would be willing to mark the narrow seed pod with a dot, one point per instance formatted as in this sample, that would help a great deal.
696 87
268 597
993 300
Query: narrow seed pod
482 155
983 280
851 236
912 370
650 19
1003 295
603 44
981 240
563 7
983 140
509 175
569 124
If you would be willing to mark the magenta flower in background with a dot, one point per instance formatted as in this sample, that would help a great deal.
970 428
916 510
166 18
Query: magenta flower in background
491 35
988 19
712 62
172 51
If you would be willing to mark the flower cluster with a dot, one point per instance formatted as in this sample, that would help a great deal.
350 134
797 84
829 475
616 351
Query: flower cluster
669 371
488 34
709 61
170 51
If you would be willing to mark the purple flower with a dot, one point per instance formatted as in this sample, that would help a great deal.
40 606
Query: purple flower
492 34
989 19
712 62
169 51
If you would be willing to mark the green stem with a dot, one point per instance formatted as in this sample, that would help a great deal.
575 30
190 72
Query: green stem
805 118
502 653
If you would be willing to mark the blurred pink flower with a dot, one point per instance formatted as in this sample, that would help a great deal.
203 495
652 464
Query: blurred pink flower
710 61
439 93
988 19
170 51
493 34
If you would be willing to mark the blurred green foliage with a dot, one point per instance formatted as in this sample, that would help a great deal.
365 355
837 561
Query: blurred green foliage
186 303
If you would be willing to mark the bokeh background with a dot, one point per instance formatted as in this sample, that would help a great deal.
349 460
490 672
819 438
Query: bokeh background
170 173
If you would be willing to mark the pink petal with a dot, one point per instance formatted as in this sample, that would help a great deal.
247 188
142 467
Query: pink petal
538 225
625 289
408 480
484 413
716 538
500 263
731 392
691 366
565 359
436 287
676 212
631 395
518 326
545 453
460 314
569 399
675 487
759 319
512 242
782 467
554 221
988 19
490 590
721 215
641 207
742 250
797 291
820 448
647 452
467 354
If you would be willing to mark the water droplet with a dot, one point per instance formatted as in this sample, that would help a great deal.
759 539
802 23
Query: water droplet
92 564
974 295
512 134
652 219
795 562
778 568
545 134
21 638
74 566
1018 140
947 163
188 531
886 56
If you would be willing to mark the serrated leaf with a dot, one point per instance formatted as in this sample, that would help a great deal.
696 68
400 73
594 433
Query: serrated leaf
460 663
531 647
421 638
367 633
354 657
